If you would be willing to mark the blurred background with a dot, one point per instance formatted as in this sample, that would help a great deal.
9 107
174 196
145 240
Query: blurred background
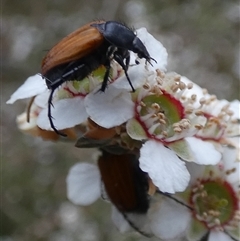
202 39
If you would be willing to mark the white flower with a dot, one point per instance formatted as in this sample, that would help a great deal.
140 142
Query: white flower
211 200
102 107
161 114
169 220
83 184
165 169
66 113
34 85
84 187
67 110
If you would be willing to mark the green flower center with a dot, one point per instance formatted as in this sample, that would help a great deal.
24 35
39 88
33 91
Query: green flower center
159 113
214 202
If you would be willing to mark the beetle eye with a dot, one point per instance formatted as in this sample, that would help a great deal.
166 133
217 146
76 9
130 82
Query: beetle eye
136 61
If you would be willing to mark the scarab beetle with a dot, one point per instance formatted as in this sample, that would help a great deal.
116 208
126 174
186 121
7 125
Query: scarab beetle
126 186
84 50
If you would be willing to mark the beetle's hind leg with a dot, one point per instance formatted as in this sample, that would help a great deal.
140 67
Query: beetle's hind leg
50 105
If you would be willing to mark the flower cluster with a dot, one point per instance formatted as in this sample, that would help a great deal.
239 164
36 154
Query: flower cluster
170 150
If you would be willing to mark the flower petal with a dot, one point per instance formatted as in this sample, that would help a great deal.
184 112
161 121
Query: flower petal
155 50
231 163
83 184
41 100
119 221
33 85
165 169
25 125
234 233
138 221
182 149
219 236
196 230
135 130
235 108
111 108
137 74
169 215
66 113
196 90
204 152
196 171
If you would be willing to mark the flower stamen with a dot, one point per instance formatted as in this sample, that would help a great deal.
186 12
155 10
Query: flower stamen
214 203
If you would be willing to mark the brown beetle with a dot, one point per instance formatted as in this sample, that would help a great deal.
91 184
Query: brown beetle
126 185
86 49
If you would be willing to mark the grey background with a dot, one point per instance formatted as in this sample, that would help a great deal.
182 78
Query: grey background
202 39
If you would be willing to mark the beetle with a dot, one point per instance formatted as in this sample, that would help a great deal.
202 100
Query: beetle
126 185
84 50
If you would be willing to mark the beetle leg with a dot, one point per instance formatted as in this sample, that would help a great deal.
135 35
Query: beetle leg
119 58
127 60
107 65
105 79
50 104
110 52
124 55
53 87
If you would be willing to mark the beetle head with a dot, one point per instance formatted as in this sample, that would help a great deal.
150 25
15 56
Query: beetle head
140 49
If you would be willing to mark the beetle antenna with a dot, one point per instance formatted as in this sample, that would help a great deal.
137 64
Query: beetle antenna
50 104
